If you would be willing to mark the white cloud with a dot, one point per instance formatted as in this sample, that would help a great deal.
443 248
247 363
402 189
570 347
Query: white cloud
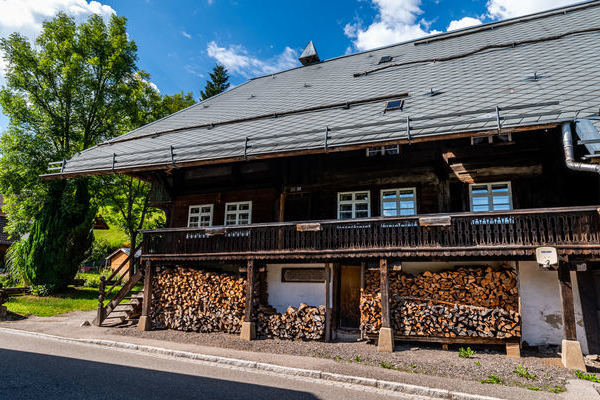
26 16
396 21
186 35
238 61
464 22
502 9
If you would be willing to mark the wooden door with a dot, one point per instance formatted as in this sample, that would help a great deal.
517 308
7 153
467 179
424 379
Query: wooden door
350 297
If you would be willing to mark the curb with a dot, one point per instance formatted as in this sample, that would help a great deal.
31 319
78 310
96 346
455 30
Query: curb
289 371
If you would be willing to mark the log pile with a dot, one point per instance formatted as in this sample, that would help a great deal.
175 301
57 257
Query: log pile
193 300
474 302
304 322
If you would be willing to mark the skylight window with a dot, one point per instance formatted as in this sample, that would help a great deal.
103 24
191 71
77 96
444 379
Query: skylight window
385 59
394 105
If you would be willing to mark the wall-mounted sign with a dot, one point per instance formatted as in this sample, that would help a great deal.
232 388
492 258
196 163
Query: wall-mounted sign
303 275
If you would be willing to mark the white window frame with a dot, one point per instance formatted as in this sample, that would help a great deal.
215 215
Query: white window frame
398 208
237 212
489 195
353 202
390 149
200 214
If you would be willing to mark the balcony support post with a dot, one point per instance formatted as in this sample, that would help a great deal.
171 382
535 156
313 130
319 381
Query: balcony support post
327 295
571 354
385 343
145 322
248 331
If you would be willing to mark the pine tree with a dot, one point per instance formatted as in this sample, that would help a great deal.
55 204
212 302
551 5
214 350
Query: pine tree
219 82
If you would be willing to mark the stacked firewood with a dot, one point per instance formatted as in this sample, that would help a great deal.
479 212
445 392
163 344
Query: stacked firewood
303 322
194 300
477 286
477 302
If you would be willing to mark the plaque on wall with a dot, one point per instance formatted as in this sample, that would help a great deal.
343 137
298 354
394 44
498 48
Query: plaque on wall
303 275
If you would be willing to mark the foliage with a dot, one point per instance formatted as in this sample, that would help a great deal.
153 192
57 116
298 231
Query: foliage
523 372
218 83
70 90
466 353
100 250
554 389
478 363
535 388
588 377
387 365
92 282
357 359
493 379
6 281
42 290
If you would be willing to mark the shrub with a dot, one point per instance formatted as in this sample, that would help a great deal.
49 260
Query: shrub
92 281
43 290
493 379
466 353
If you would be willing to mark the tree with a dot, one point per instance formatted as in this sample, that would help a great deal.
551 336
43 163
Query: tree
219 82
124 198
63 95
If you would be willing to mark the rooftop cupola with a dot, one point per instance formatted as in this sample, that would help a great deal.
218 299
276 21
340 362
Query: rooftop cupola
309 55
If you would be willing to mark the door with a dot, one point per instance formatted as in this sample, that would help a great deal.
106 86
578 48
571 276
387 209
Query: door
350 297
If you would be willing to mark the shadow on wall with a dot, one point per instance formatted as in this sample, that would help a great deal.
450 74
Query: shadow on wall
31 376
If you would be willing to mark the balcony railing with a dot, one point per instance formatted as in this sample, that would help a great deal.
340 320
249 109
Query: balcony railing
572 229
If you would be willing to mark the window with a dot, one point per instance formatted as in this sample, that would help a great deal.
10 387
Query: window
385 59
383 150
239 213
354 205
200 215
398 202
394 105
495 196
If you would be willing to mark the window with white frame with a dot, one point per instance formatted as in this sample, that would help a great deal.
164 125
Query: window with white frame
239 213
200 215
398 202
495 196
383 150
354 205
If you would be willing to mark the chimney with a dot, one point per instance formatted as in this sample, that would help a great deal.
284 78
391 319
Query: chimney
309 55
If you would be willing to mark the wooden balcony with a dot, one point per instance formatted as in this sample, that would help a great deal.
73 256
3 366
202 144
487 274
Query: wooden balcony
573 231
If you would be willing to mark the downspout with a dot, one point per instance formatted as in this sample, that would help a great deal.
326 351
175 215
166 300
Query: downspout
569 157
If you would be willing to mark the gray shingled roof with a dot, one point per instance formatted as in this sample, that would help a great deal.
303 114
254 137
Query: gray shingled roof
563 48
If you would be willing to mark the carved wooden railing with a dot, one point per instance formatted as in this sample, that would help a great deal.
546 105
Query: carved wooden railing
516 229
104 311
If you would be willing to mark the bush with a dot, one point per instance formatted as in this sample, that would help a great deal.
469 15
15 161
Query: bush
101 248
92 282
43 290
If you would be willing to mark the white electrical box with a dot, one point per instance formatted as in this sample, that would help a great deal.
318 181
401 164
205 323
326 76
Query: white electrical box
547 257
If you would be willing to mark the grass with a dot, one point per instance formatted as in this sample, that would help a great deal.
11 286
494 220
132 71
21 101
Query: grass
114 236
73 299
587 377
386 365
523 372
478 363
357 359
466 353
493 379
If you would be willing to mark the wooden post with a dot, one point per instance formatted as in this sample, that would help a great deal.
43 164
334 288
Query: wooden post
386 335
513 348
327 303
571 354
587 296
566 296
100 312
145 322
335 299
248 331
281 218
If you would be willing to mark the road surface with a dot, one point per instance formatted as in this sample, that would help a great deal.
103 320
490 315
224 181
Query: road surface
42 368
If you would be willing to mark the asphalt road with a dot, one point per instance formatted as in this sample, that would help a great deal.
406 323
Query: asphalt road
40 368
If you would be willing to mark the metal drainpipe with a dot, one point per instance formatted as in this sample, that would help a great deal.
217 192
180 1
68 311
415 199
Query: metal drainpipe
569 157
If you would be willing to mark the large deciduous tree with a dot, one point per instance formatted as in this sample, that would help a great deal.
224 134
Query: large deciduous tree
64 93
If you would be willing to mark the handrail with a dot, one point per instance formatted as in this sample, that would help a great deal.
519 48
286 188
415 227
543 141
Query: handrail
522 211
116 271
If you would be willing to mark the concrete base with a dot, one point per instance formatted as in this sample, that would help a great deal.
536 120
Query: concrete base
385 344
248 331
571 355
145 323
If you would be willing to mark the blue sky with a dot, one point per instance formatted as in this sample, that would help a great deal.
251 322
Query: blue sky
180 41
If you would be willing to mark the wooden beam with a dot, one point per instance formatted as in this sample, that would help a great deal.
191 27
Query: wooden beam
384 289
327 303
282 206
566 296
587 296
249 311
335 297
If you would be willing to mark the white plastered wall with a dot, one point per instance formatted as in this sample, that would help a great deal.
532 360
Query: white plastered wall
541 308
285 294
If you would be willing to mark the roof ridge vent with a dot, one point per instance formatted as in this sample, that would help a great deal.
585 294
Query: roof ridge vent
309 55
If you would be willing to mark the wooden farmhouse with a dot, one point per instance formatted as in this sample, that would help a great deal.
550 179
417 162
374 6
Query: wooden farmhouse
398 194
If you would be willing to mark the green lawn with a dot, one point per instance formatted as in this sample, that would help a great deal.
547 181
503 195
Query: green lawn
73 299
114 236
